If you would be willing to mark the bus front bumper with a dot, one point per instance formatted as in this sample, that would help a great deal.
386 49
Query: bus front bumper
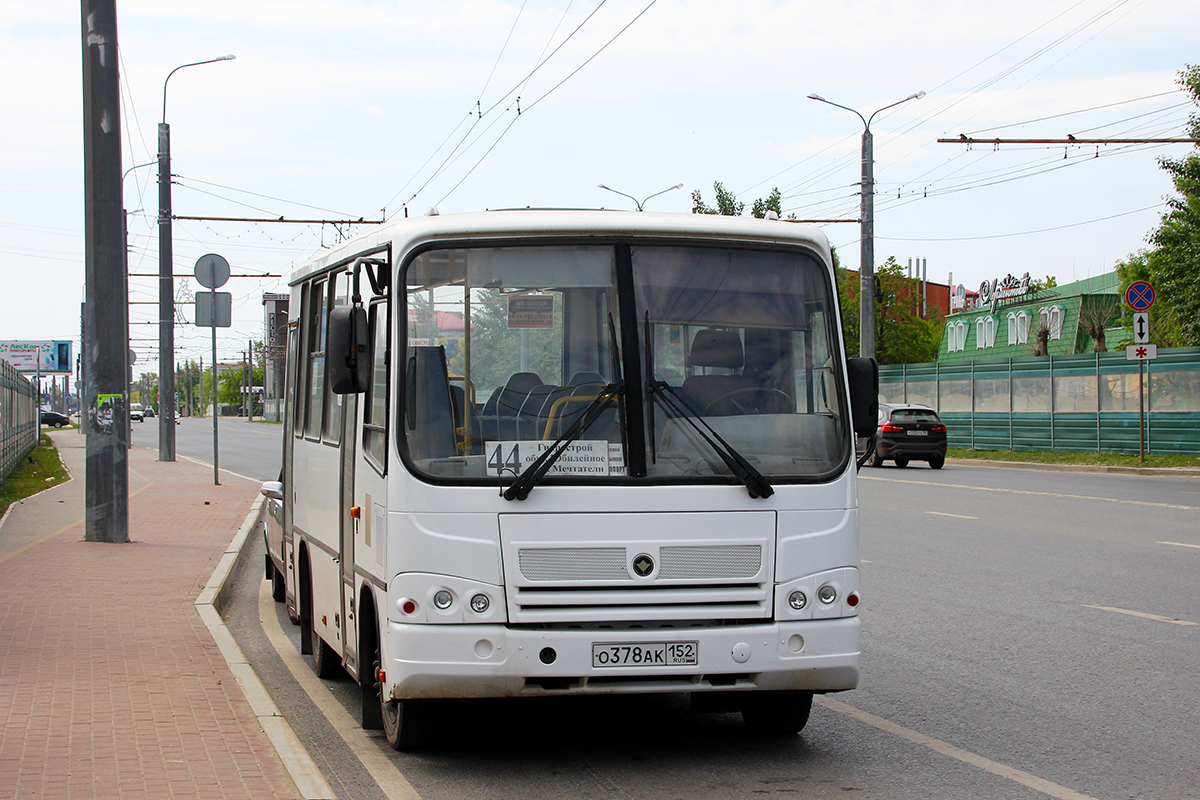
460 661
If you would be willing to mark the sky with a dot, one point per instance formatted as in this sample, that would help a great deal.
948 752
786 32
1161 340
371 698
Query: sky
371 109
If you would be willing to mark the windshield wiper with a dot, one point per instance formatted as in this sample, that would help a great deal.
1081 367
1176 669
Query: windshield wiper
519 489
678 408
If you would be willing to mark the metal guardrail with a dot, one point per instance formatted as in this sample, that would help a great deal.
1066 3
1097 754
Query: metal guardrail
18 418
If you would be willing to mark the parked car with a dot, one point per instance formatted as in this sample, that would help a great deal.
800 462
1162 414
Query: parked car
909 432
54 419
136 413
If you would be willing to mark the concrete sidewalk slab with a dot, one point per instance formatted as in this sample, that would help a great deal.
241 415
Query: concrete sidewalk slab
110 683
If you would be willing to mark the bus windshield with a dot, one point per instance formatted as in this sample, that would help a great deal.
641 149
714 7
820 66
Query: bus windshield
677 355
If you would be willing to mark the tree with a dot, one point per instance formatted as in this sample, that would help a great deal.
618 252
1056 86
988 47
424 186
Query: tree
727 203
729 206
1172 263
902 335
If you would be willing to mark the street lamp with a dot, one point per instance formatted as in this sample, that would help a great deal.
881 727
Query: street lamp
642 205
166 282
866 293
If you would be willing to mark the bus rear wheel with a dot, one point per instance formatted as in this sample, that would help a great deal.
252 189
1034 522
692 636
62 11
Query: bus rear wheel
776 713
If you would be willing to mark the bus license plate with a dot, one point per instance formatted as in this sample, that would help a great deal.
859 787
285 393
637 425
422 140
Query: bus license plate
646 654
918 433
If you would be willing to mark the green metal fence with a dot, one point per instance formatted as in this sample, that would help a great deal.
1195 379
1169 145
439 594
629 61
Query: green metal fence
1077 403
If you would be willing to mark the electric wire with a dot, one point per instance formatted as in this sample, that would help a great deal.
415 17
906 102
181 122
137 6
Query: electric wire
550 91
1023 233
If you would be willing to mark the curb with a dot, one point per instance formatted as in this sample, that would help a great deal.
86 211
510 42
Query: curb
300 766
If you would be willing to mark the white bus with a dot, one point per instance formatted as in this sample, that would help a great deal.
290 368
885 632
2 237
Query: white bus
534 453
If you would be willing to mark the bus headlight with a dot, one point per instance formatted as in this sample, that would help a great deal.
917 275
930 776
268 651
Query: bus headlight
798 600
480 603
442 599
827 594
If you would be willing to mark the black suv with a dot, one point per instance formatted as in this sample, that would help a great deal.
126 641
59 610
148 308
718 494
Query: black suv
909 433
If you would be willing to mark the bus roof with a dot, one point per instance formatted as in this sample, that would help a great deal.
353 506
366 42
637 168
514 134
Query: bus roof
406 233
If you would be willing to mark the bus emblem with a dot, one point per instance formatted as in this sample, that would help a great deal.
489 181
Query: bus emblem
643 565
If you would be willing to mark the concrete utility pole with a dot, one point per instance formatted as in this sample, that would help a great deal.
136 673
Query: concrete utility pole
866 292
166 281
104 412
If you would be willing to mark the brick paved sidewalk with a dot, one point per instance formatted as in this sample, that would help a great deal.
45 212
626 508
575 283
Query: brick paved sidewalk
111 686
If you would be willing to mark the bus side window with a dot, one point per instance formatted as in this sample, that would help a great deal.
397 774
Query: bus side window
375 413
339 295
318 310
297 345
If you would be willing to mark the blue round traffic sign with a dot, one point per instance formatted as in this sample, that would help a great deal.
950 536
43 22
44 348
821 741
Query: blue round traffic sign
1140 295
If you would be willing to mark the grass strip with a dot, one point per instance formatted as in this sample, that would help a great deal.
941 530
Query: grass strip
39 470
1080 459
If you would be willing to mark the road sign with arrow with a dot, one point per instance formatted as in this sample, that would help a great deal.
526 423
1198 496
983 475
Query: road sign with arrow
1141 327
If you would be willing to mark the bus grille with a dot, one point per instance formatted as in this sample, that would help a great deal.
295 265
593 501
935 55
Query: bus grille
638 569
592 584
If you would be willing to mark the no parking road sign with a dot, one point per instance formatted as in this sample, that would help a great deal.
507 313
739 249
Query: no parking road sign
1140 296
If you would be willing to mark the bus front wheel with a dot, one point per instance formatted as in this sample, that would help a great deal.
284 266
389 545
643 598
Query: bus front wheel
776 712
402 721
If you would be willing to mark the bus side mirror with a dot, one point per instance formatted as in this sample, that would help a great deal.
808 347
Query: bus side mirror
864 394
347 354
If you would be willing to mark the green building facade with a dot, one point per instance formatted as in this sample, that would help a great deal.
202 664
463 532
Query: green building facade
1010 329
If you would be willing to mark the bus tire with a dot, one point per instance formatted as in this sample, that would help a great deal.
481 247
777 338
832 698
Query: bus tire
776 713
325 661
875 460
402 721
278 590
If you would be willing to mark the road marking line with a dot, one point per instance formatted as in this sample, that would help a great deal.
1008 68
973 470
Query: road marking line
1181 544
1143 615
1042 785
363 745
1057 495
944 514
226 471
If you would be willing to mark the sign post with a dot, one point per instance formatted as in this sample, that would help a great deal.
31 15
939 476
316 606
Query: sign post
1140 296
213 310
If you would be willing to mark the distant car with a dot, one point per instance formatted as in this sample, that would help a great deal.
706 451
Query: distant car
148 411
54 419
909 433
136 412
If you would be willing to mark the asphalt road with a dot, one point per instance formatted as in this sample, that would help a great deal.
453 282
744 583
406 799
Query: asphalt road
253 449
1027 634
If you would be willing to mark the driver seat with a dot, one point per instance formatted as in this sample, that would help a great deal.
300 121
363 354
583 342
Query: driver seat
715 349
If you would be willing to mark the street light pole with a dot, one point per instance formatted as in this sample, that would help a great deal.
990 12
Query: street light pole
866 244
641 206
166 282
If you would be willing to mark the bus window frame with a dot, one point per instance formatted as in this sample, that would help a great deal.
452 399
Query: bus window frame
619 243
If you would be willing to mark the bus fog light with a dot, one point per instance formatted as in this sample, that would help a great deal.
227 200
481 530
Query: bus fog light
442 599
480 603
827 594
797 600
